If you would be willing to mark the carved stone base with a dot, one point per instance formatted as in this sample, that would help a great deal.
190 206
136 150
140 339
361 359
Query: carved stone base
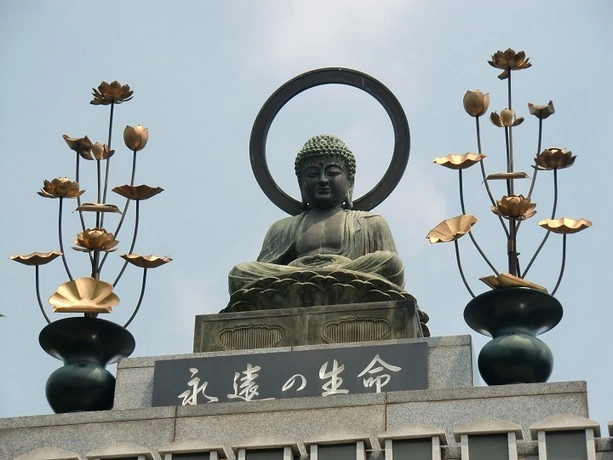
288 327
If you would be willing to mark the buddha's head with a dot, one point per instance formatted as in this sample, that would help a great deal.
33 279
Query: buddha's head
325 168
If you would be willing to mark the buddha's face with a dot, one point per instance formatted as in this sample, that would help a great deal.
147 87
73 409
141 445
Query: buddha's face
325 182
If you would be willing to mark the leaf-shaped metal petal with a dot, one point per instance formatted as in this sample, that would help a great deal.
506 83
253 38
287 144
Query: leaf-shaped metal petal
452 229
565 225
84 295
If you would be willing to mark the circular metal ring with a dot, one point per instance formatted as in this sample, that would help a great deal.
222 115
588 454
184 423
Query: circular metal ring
270 109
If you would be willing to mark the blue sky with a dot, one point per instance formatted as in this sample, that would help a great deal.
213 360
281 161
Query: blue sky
201 70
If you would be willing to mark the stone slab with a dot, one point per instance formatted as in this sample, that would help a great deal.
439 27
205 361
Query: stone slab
292 327
449 366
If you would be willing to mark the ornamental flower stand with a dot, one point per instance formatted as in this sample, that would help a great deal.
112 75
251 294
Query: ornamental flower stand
86 346
514 316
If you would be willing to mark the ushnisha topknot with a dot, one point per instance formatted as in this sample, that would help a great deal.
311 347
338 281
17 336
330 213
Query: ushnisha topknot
325 145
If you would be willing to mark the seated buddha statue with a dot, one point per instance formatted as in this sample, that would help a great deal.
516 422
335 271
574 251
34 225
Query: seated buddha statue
328 236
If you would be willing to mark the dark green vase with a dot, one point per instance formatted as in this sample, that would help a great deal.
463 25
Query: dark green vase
86 346
514 317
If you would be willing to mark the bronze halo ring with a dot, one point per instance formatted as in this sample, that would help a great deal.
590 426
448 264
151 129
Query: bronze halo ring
270 109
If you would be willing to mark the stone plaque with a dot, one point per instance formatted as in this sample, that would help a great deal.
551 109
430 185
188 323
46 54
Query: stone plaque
291 374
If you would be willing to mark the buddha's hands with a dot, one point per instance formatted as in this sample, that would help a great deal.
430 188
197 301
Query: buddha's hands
319 260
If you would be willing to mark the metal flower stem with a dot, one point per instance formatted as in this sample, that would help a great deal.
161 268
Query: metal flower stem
480 152
40 303
553 213
136 218
457 257
108 160
512 236
563 265
79 197
99 221
140 299
472 238
538 150
59 231
125 208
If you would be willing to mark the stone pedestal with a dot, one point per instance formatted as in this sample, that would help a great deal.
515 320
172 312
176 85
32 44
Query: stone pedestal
364 322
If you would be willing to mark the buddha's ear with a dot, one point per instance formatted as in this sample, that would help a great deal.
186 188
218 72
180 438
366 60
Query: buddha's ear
305 204
349 197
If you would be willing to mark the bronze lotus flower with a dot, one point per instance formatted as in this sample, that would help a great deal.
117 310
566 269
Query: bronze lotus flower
452 229
135 137
109 93
516 206
60 187
84 295
95 239
36 258
509 60
101 151
554 158
149 261
506 118
463 161
81 145
565 225
541 111
476 103
137 192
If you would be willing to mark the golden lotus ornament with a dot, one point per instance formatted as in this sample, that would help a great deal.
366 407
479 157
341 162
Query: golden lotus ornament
95 239
452 229
509 60
506 280
137 192
476 103
60 187
554 158
135 137
36 258
84 295
565 225
149 261
111 93
541 111
457 161
81 145
516 206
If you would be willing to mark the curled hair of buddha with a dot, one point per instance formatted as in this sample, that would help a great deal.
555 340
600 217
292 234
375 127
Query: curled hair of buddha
325 145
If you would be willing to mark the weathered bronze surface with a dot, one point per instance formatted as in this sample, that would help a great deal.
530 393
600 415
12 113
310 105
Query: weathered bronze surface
329 254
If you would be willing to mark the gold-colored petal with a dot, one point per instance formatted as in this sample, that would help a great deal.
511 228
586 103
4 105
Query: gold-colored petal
36 258
452 229
495 119
98 207
507 176
137 192
565 225
149 261
84 295
463 161
505 280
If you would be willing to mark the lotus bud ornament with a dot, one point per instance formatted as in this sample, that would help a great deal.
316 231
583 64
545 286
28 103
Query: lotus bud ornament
135 137
476 103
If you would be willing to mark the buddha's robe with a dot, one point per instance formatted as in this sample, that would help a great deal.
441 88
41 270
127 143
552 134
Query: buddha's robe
366 246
